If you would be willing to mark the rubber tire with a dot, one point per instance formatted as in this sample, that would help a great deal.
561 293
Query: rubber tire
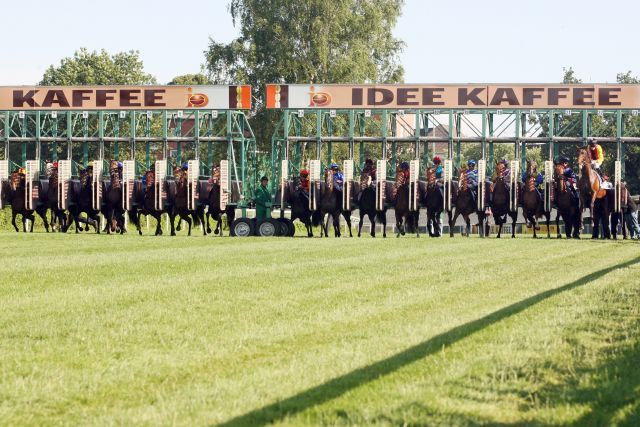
284 226
267 228
242 227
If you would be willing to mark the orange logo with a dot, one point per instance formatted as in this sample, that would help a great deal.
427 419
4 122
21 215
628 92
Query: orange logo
197 99
318 99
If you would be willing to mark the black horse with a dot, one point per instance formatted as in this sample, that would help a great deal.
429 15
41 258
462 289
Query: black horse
81 201
434 202
144 196
501 201
367 206
298 199
532 200
114 209
14 193
331 207
181 205
214 210
58 217
567 204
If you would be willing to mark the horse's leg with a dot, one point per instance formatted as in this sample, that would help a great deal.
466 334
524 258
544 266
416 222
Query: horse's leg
360 223
208 226
452 222
347 218
514 219
416 217
467 220
186 218
336 225
13 220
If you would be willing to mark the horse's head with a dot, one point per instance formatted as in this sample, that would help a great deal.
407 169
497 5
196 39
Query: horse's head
215 175
431 176
328 179
85 177
532 168
463 184
583 157
150 178
15 180
499 173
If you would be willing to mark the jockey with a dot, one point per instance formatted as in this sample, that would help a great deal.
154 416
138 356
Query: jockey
437 162
304 181
338 177
369 169
404 167
472 174
185 166
597 155
506 173
539 179
568 173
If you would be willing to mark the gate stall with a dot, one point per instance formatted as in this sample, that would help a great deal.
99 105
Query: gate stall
32 184
160 192
128 182
64 179
4 177
96 185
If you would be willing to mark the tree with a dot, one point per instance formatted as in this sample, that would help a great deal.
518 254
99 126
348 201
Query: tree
98 68
191 79
311 41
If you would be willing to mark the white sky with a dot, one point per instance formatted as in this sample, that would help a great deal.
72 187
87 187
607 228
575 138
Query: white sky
446 41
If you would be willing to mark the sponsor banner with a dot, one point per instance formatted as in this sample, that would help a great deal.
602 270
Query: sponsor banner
471 96
125 97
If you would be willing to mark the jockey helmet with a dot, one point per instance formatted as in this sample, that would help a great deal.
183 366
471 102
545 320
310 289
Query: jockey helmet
21 171
55 164
404 165
185 166
120 165
437 160
334 166
504 162
471 162
304 172
563 159
368 162
593 142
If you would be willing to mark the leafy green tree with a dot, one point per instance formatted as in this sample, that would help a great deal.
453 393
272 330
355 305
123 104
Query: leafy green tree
191 79
311 41
98 68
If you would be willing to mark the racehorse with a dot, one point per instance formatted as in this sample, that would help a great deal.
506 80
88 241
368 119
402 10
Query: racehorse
465 200
114 209
589 183
331 206
81 195
567 205
146 197
14 192
406 219
214 204
532 201
57 215
500 201
367 206
181 208
434 202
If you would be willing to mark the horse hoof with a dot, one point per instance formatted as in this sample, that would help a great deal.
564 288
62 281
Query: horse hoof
209 230
216 232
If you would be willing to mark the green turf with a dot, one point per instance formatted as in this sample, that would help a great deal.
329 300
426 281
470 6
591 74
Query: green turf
130 330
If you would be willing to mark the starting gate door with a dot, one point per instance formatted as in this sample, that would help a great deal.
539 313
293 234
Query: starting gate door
32 175
414 174
381 181
515 176
447 175
64 177
348 182
128 182
224 184
193 173
314 188
617 175
482 177
96 201
4 176
284 177
548 180
160 176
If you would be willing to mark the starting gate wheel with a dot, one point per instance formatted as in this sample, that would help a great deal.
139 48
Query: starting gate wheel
242 227
286 227
268 228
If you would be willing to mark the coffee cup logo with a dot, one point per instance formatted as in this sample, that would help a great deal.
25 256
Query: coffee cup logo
196 99
318 99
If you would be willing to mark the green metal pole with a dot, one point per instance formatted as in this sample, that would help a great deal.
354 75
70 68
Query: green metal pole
85 144
147 145
425 153
551 134
483 148
329 144
394 150
384 140
101 134
116 134
450 147
491 147
458 143
54 133
523 149
23 145
196 135
362 128
38 137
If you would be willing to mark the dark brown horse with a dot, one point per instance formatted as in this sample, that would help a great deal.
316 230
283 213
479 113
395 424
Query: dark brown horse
464 198
532 200
406 219
501 200
181 204
214 210
367 206
567 205
331 207
434 202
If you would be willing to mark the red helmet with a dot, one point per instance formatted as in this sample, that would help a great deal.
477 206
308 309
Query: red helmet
304 172
55 164
437 160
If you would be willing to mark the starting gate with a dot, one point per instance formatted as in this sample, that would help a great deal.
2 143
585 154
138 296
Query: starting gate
447 175
225 188
414 174
514 180
381 173
128 179
482 177
284 177
96 179
348 181
548 182
314 187
4 176
160 192
32 175
193 173
64 177
617 175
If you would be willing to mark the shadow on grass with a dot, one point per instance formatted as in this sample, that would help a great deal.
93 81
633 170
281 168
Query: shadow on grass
340 385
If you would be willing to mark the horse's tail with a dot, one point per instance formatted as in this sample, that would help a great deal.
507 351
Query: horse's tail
316 218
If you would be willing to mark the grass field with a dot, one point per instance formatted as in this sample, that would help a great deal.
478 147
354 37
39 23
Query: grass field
128 330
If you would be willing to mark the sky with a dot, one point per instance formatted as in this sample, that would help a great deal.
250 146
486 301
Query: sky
462 41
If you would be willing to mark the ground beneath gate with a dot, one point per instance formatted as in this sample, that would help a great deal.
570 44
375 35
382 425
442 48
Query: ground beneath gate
136 330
